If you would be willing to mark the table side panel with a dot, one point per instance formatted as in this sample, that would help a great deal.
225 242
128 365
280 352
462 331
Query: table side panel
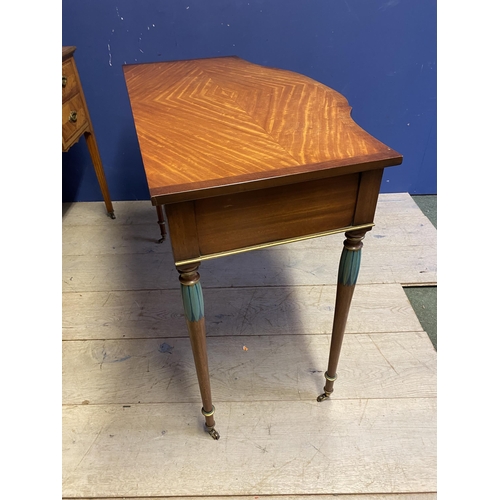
182 230
237 221
369 188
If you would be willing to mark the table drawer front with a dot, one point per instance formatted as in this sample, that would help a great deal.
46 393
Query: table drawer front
69 80
74 118
257 217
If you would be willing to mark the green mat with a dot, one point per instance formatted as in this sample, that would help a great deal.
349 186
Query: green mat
423 299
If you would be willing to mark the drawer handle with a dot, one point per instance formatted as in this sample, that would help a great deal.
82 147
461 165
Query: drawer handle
64 81
73 116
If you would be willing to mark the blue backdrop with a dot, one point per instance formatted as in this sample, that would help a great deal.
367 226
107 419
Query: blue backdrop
380 54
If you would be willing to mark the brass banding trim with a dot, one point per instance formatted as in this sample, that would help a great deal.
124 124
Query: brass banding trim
330 379
208 413
271 244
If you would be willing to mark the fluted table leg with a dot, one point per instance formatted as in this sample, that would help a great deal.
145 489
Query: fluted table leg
192 298
346 282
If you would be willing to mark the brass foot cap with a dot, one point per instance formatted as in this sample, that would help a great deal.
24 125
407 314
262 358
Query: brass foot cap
322 397
214 434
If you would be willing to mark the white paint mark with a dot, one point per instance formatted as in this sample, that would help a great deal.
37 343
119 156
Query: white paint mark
109 52
153 25
141 51
351 11
408 124
187 8
390 3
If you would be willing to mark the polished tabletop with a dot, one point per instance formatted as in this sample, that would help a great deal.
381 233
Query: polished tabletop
224 125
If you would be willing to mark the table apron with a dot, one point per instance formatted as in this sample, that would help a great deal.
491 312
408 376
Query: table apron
225 225
202 258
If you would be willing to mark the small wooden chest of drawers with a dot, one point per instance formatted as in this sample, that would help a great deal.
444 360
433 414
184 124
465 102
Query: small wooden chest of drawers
76 120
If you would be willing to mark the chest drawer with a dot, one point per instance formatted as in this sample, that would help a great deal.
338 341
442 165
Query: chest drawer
70 84
74 119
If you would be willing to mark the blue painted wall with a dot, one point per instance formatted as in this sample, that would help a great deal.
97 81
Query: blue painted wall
380 54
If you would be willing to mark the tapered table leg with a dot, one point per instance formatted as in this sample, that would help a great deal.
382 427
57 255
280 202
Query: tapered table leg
192 298
161 223
96 160
346 282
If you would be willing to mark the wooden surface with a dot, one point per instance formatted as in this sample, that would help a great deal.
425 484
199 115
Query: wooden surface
221 125
67 51
383 496
266 447
151 370
251 218
306 309
73 101
132 425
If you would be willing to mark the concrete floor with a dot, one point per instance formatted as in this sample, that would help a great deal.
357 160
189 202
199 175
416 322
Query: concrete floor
424 299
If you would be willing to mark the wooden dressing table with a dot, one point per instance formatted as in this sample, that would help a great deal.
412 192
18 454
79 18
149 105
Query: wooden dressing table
76 120
243 157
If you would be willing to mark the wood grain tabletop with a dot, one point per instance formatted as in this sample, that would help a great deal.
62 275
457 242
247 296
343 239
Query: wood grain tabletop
224 125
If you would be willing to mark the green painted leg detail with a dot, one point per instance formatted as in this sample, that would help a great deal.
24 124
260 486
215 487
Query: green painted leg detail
192 298
350 261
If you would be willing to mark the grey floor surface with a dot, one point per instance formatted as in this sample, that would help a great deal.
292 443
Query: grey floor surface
424 299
